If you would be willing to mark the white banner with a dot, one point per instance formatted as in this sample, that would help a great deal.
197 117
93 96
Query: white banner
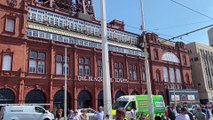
177 97
191 97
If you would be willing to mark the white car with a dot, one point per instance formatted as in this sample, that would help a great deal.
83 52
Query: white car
91 113
25 112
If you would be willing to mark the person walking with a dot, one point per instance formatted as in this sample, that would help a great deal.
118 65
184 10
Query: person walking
133 114
69 117
183 114
100 113
120 114
200 115
84 115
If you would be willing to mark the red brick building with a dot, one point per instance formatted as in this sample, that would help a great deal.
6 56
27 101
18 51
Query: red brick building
34 34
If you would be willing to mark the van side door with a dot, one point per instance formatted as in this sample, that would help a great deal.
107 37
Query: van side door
39 113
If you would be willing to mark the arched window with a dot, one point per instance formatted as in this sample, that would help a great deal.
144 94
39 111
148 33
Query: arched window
170 57
134 93
118 94
101 99
35 96
158 77
58 99
84 99
6 96
7 62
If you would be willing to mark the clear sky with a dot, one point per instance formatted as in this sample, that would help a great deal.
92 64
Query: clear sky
163 17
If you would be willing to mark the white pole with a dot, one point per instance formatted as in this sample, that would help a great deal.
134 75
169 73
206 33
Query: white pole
65 85
149 86
105 63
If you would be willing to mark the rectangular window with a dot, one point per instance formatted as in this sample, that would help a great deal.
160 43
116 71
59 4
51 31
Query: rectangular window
172 74
7 62
60 65
37 62
178 75
100 72
84 67
10 23
32 66
118 70
132 72
58 68
165 74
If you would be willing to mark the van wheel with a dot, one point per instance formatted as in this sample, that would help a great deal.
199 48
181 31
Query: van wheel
46 119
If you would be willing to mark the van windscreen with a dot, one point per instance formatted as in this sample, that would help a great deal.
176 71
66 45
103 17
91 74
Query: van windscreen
119 104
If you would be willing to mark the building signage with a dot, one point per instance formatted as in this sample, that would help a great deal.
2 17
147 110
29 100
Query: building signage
91 78
177 97
121 80
191 97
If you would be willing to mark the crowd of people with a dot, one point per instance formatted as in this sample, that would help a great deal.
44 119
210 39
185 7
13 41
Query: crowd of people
178 112
182 112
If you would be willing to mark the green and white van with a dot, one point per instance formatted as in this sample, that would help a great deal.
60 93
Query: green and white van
140 102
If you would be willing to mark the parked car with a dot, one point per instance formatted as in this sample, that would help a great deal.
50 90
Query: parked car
91 113
25 112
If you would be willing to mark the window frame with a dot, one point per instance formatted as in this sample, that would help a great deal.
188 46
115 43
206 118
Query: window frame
156 56
62 62
119 69
99 68
6 24
37 60
133 72
84 65
7 52
158 76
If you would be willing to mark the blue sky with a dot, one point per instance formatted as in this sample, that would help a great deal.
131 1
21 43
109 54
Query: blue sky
163 17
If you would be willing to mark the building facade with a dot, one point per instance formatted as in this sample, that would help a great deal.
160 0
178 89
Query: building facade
202 73
33 37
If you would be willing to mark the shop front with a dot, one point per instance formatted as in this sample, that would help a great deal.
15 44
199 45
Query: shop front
189 96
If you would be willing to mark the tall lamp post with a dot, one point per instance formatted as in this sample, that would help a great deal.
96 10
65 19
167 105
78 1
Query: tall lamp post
149 86
105 63
65 85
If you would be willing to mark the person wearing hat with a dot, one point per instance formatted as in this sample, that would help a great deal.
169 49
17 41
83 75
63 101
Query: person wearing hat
183 115
200 115
100 114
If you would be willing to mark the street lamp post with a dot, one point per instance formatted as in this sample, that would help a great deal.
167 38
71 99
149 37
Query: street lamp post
65 86
105 63
149 86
